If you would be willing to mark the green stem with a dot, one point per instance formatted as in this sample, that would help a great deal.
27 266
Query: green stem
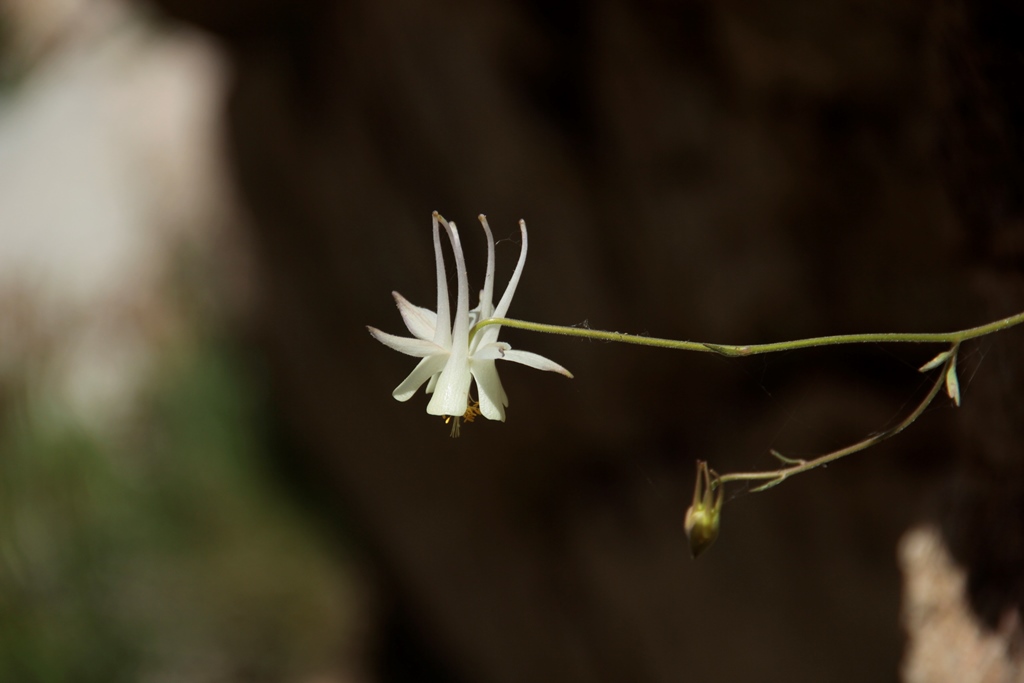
750 350
592 334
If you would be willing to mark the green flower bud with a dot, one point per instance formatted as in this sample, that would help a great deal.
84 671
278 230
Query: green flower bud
703 516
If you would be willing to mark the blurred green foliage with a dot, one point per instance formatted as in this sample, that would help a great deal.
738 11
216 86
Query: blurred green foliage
165 552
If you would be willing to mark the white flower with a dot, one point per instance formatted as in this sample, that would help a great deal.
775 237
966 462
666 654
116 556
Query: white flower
450 360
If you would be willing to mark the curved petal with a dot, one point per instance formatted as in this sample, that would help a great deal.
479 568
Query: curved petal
423 371
419 348
486 307
510 291
460 325
443 319
488 386
422 322
490 333
535 361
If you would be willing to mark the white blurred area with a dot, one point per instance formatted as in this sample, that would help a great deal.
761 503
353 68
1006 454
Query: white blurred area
110 171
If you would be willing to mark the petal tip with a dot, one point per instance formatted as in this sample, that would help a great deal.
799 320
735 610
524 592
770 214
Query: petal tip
402 396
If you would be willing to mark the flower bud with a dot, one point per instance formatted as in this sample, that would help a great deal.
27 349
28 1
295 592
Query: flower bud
702 517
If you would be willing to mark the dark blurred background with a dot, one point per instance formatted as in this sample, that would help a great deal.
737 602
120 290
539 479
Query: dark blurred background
203 476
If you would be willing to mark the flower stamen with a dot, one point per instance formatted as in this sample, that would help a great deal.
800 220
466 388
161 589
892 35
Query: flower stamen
471 412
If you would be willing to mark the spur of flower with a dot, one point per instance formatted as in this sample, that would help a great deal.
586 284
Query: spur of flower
450 359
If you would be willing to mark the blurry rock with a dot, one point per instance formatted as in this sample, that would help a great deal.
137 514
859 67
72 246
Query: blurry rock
946 641
109 173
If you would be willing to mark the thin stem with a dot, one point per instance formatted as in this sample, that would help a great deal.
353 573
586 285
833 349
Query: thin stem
587 333
753 349
775 477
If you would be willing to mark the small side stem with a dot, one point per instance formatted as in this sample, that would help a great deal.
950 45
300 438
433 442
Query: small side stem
776 477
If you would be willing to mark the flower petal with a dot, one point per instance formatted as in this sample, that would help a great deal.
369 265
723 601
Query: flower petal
510 290
420 321
423 371
419 348
460 325
492 351
490 333
451 391
486 306
488 386
535 361
443 320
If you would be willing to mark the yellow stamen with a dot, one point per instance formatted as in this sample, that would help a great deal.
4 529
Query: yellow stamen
472 410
